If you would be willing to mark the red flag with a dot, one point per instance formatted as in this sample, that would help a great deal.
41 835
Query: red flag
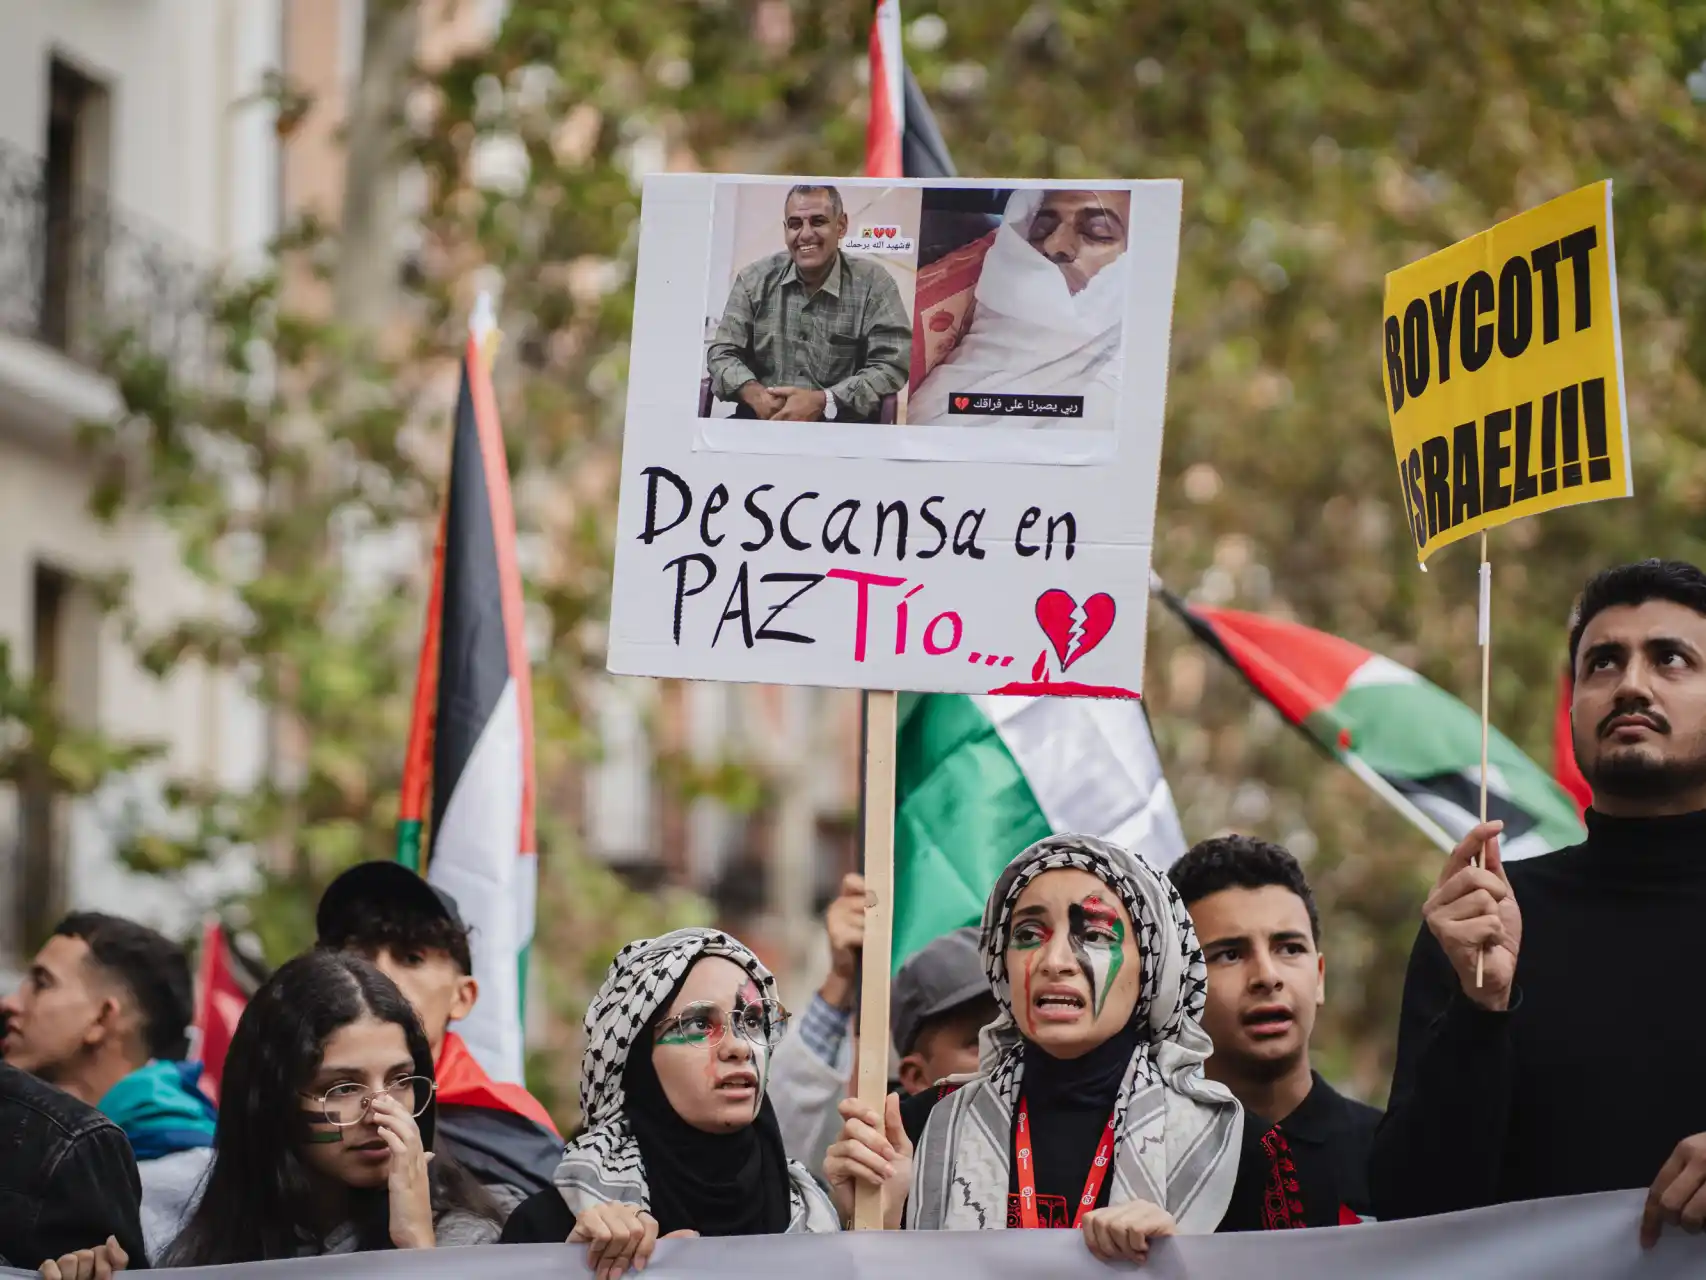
1564 766
887 119
220 1000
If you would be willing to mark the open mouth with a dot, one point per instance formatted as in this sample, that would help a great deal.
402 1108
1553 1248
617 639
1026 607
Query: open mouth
1060 1004
1268 1021
740 1084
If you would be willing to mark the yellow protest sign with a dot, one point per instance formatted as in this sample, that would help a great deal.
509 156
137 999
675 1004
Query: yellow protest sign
1503 367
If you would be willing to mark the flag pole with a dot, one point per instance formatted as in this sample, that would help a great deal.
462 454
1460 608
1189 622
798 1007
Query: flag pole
877 805
1484 615
878 717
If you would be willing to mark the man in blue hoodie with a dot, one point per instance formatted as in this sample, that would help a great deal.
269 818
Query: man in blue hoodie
103 1013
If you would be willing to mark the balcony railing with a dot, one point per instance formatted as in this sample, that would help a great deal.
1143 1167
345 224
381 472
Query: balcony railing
75 273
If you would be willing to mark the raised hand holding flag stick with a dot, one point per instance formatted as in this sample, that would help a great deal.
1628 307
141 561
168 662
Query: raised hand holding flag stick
1485 615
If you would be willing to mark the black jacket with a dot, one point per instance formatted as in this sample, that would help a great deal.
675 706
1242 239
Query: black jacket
67 1176
500 1148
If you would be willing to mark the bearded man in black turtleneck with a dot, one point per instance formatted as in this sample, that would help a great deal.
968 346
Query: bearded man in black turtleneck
1578 1063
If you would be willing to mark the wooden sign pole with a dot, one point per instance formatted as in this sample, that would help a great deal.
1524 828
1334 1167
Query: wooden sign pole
878 809
1484 615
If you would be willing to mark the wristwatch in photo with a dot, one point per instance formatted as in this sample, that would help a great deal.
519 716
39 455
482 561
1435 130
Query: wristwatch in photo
828 407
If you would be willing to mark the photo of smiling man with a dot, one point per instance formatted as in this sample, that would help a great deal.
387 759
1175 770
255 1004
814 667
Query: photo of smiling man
810 332
1021 304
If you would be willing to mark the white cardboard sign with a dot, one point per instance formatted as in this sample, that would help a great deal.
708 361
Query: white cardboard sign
893 434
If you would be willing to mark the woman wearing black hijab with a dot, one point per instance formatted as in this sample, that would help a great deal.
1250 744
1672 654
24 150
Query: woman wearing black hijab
680 1139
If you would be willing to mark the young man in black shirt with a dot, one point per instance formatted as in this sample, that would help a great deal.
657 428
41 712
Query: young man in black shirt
1260 933
1574 1064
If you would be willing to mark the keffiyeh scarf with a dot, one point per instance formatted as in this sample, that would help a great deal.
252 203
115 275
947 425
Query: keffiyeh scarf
1177 1133
604 1163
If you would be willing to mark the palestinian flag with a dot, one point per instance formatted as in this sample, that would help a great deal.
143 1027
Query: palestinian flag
902 138
471 739
224 983
1564 766
1414 744
884 125
979 778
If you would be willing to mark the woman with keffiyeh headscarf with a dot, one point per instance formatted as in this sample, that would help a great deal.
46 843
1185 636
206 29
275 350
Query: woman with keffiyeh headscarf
1089 1108
680 1138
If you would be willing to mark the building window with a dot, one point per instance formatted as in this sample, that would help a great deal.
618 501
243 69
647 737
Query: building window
74 182
40 831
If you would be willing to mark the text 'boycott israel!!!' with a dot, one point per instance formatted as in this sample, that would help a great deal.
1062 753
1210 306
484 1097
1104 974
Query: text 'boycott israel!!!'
1503 371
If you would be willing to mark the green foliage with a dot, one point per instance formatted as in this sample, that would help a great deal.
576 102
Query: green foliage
40 744
1320 146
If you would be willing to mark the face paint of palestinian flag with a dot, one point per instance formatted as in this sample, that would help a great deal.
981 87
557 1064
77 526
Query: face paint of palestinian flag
1098 941
1414 744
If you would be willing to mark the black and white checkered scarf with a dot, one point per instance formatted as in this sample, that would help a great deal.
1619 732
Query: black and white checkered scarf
1177 1133
603 1164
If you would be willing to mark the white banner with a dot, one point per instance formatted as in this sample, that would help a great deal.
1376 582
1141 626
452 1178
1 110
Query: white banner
1585 1237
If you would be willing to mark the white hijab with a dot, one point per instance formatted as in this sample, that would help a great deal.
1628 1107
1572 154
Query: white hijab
1031 335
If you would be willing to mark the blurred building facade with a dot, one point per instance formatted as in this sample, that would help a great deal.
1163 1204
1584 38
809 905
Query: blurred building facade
129 167
770 856
745 794
137 154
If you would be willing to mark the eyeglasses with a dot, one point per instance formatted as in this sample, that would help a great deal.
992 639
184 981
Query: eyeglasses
347 1104
702 1022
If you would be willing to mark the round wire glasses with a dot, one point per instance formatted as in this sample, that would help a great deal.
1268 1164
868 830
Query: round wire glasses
347 1104
763 1023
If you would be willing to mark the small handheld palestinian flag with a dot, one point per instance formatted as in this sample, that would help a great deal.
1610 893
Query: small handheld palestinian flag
471 737
1413 744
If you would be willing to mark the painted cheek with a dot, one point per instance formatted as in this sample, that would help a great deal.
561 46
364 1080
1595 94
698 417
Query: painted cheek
1030 1020
320 1133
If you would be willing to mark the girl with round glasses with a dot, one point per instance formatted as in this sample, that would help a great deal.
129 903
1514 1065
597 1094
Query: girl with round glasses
680 1138
325 1136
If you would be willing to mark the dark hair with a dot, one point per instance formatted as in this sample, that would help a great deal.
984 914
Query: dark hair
1632 584
152 968
812 189
258 1199
1242 862
980 1008
388 925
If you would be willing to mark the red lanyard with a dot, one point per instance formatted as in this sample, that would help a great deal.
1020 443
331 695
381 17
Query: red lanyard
1028 1175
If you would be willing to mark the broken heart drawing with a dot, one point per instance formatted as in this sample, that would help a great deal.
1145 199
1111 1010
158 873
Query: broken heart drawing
1074 634
960 402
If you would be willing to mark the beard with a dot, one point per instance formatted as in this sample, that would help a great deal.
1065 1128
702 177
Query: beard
1637 775
1640 772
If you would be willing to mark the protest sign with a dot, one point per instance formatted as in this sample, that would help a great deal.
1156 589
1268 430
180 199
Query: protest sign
934 471
1503 366
1587 1236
